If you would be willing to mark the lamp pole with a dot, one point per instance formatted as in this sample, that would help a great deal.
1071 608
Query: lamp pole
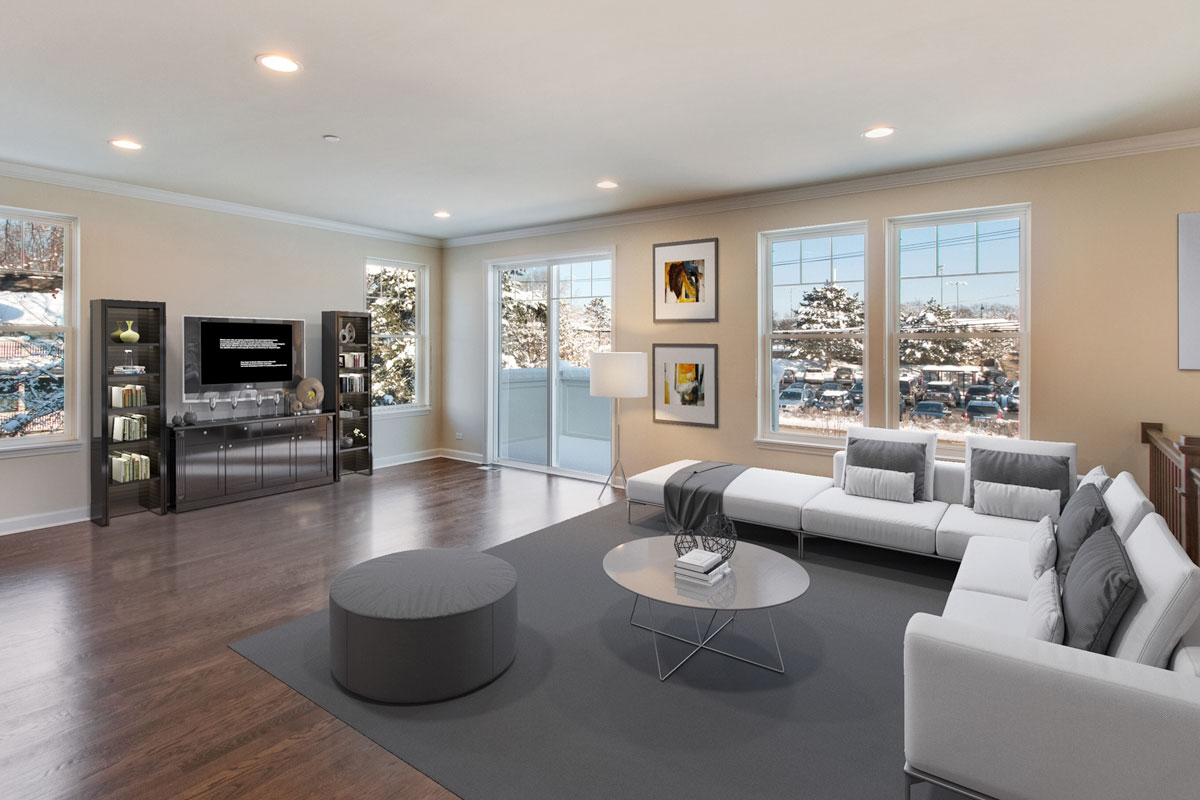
956 285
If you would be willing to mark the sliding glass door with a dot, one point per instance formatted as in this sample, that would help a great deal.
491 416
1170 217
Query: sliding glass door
550 315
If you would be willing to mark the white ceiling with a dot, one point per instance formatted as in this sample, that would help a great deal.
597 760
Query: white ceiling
508 113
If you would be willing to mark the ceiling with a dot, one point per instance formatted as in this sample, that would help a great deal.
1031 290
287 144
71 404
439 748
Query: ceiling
507 114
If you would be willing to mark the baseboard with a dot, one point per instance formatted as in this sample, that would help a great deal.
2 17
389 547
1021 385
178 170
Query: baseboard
47 519
404 458
425 455
461 455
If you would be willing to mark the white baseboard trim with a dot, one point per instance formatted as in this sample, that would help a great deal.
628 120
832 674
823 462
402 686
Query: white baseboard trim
47 519
425 455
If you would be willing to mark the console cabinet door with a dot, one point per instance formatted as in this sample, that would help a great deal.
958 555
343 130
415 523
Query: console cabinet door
241 466
203 472
278 465
312 449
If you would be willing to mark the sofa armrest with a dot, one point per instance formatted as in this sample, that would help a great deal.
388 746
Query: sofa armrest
839 465
1018 718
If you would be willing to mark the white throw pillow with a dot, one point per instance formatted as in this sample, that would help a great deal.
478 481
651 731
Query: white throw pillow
1098 476
1016 502
1033 447
882 484
1043 547
919 437
1045 622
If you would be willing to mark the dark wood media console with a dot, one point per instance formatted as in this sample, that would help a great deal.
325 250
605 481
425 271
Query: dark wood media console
236 459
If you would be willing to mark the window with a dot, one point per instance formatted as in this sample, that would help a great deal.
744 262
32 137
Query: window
958 329
396 297
37 317
812 325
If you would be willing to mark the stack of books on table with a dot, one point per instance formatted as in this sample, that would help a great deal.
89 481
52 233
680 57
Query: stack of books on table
700 568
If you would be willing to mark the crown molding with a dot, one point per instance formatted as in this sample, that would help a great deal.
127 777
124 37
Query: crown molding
1138 145
73 180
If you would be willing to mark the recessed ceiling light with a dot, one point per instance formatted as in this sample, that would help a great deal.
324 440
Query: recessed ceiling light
606 184
278 63
333 138
879 132
125 144
442 214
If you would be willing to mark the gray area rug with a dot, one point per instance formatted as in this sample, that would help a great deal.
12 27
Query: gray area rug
582 714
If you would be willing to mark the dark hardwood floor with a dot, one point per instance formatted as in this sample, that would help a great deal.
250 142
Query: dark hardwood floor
117 679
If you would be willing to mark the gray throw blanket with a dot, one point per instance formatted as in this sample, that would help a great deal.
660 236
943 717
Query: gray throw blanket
696 491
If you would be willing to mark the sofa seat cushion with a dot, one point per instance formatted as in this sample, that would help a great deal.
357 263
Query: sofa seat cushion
996 566
961 524
1005 615
763 496
906 526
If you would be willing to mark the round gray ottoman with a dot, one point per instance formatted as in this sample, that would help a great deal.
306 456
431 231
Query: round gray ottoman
422 625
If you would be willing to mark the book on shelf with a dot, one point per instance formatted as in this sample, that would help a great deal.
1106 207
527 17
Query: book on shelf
698 560
352 360
128 427
127 396
129 369
354 382
703 579
127 467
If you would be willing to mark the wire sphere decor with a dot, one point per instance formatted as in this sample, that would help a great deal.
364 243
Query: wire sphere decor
685 543
718 535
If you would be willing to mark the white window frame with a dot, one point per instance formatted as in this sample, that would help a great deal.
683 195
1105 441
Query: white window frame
1019 211
420 405
805 442
69 440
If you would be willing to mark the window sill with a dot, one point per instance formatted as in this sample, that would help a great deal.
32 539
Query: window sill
391 412
40 449
809 448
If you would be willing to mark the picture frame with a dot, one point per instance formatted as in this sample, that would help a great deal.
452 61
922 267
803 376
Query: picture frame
685 384
684 280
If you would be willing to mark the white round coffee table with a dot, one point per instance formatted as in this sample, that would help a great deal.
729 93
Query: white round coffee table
760 580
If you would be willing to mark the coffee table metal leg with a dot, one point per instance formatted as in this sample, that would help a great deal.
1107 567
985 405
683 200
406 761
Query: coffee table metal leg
702 639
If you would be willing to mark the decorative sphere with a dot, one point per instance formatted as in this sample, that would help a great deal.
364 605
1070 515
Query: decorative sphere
718 535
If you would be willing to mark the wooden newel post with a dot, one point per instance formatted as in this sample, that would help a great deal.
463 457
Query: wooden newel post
1189 446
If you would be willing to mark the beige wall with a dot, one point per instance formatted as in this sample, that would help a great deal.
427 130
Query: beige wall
202 262
1103 272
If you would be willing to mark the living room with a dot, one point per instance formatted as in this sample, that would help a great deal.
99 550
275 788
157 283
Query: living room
255 194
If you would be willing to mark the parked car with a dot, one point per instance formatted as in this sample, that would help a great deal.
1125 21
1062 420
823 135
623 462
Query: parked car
832 400
856 392
787 379
982 392
912 390
1013 398
844 375
983 410
933 409
829 386
797 396
944 391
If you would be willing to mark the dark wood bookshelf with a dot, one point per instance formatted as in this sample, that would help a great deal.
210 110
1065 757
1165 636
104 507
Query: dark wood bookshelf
355 456
110 498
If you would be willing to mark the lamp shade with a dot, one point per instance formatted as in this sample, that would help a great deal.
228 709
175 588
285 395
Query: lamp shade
619 374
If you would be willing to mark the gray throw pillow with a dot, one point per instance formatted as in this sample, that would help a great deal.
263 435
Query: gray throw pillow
1097 591
1084 514
894 456
1021 469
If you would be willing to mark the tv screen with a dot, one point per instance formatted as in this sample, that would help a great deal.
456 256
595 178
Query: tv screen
230 355
245 352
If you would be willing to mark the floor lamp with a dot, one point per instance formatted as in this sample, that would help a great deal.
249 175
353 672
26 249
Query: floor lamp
618 375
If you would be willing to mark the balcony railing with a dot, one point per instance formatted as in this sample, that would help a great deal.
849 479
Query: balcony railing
1175 484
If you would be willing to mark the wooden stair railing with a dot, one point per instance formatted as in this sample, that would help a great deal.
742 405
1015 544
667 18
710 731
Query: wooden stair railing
1175 484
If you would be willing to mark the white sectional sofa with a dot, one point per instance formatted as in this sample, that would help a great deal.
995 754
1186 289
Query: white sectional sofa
991 712
811 505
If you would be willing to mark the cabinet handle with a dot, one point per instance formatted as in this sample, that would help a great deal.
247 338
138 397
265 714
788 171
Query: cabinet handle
301 436
205 433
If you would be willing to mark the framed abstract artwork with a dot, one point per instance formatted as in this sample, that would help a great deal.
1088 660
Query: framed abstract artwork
685 384
685 281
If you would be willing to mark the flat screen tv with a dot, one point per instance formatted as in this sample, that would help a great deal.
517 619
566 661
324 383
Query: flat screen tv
239 354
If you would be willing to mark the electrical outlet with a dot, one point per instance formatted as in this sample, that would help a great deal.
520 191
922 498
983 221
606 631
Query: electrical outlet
458 435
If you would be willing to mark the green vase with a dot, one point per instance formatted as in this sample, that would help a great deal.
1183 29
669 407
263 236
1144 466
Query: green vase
116 335
129 335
